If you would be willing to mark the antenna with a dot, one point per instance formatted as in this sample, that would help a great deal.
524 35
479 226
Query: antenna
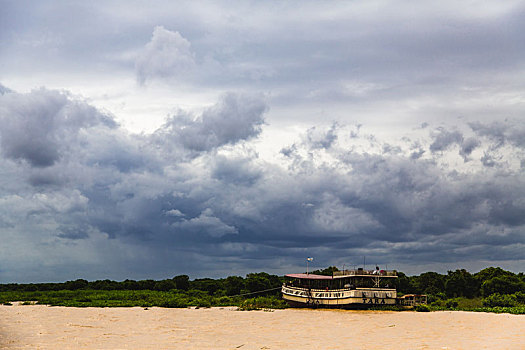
308 259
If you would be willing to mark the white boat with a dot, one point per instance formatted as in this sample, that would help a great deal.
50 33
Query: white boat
344 289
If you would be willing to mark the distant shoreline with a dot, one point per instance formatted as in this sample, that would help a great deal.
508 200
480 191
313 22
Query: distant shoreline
489 290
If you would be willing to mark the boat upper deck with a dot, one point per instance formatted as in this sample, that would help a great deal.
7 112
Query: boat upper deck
346 274
365 273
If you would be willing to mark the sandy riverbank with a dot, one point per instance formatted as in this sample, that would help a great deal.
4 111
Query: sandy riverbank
43 327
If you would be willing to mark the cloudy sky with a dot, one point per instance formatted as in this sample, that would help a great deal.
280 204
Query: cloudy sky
146 139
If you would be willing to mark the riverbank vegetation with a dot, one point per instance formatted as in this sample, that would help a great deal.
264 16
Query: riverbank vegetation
489 290
256 291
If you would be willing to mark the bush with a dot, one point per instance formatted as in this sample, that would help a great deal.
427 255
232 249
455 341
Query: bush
262 303
422 308
223 301
437 303
451 304
497 299
437 297
520 297
174 302
203 303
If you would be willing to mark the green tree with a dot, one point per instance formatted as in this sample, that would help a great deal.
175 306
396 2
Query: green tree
234 285
146 284
491 272
461 283
165 285
429 283
327 272
256 282
130 285
206 284
182 282
402 283
503 284
77 284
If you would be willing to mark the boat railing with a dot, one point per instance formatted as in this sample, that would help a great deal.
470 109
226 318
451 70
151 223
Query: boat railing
320 290
362 272
289 286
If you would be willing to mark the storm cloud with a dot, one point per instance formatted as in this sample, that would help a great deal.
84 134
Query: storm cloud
233 119
141 141
329 195
36 126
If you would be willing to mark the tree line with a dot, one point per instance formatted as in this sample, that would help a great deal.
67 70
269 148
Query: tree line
461 283
230 286
454 284
489 290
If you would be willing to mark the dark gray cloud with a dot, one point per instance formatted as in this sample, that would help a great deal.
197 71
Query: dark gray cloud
36 126
332 199
467 146
233 119
501 132
236 170
72 232
443 139
358 56
400 128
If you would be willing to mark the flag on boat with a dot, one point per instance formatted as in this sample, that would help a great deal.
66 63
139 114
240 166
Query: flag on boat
310 259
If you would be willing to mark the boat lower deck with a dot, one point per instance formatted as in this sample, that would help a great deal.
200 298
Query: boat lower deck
342 298
351 306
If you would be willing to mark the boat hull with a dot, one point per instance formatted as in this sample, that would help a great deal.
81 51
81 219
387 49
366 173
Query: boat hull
339 299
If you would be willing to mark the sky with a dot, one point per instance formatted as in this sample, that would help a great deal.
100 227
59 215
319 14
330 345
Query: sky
148 139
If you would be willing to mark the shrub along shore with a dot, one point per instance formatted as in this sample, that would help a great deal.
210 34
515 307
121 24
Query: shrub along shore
489 290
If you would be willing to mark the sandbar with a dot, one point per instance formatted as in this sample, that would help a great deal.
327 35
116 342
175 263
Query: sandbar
46 327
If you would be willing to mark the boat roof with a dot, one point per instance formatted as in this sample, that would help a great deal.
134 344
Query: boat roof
309 276
341 274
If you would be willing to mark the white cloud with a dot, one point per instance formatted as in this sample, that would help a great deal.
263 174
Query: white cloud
206 223
167 55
